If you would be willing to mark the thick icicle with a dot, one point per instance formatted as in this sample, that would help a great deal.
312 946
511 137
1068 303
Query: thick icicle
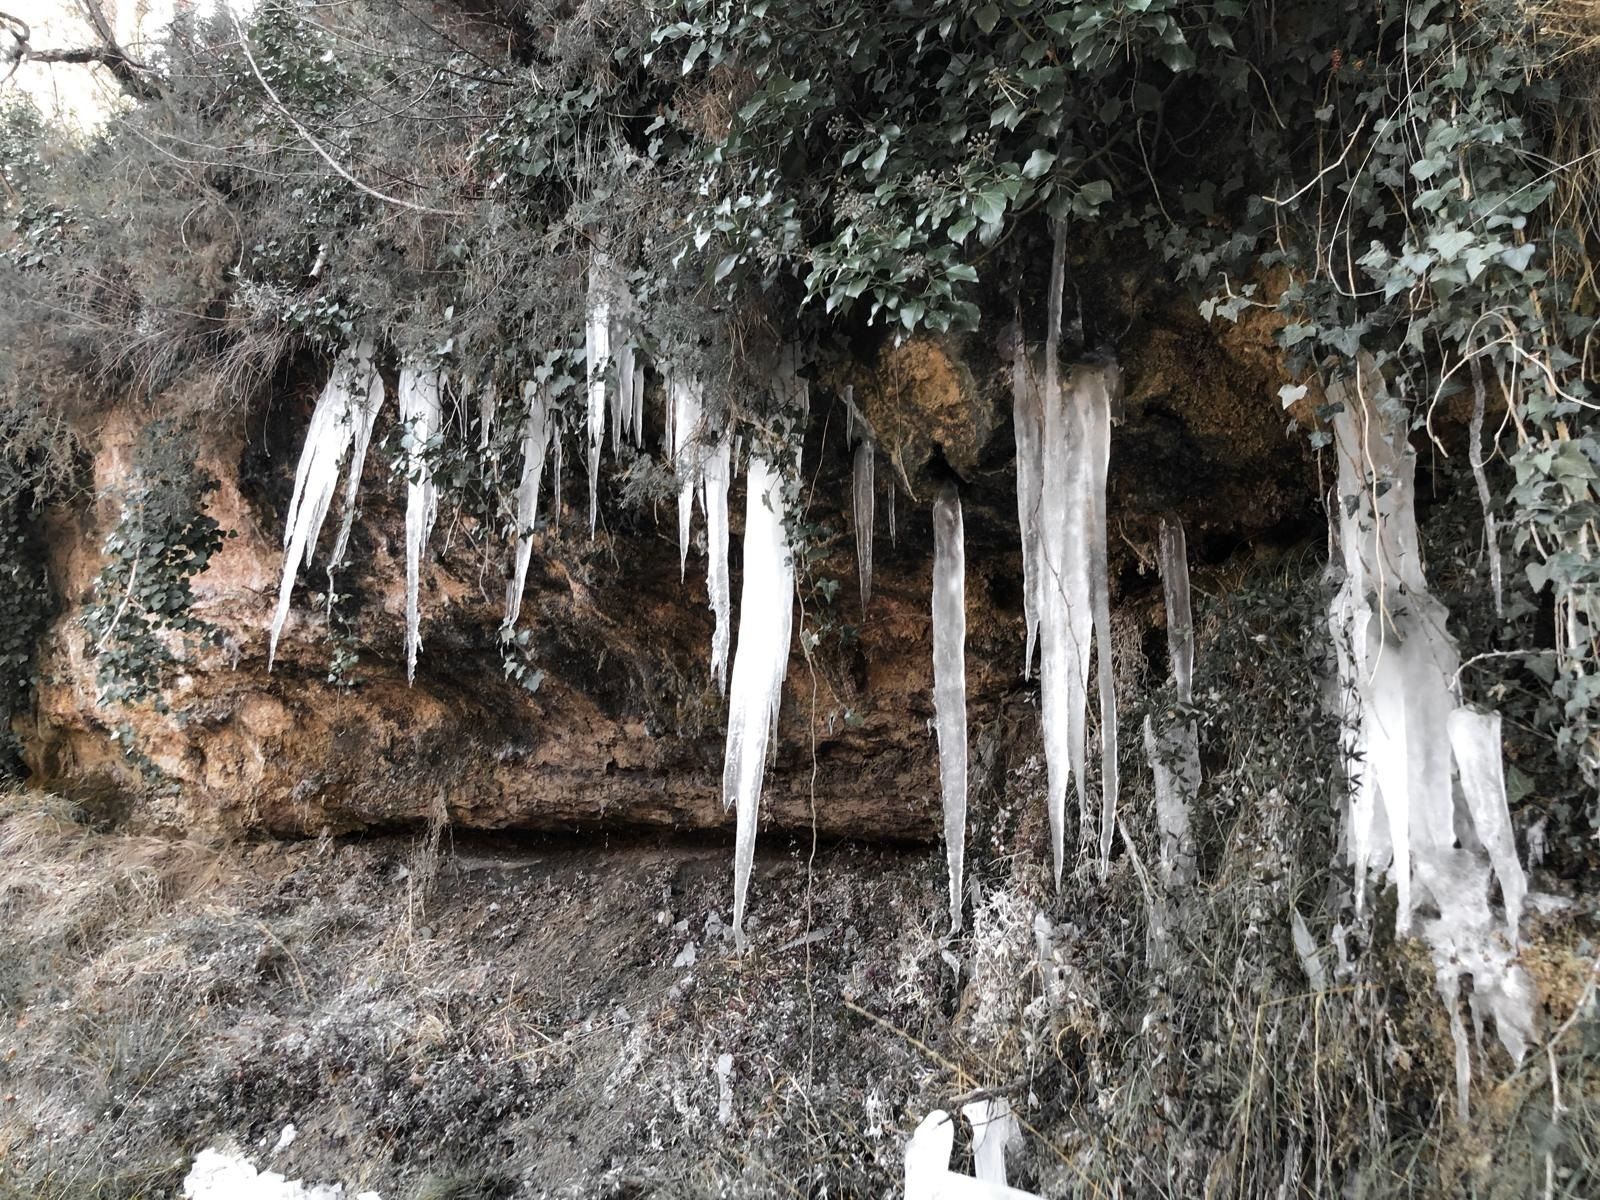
597 356
716 472
1402 731
864 503
1027 417
535 440
638 403
950 681
369 390
328 437
766 605
420 413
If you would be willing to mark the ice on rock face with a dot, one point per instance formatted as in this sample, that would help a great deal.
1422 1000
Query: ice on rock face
950 681
717 471
1403 731
420 413
864 511
369 392
765 615
597 357
535 441
343 414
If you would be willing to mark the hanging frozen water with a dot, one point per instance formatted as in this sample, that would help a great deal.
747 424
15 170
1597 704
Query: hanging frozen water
716 474
369 389
688 452
420 414
1027 418
863 492
950 682
597 357
535 440
765 614
343 413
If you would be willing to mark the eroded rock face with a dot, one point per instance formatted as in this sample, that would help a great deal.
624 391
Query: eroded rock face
626 727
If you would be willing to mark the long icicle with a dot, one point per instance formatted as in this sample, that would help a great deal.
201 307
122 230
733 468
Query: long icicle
715 478
1096 393
950 681
864 504
688 453
420 413
1027 419
597 356
535 440
328 437
765 614
369 387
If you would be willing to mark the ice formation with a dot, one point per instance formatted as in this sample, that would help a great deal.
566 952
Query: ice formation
863 492
535 441
928 1173
1072 593
1027 417
1062 509
759 666
222 1175
597 357
369 389
420 414
687 451
950 681
343 414
717 472
1174 752
1403 731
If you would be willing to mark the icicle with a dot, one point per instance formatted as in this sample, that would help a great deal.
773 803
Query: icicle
688 454
638 404
1491 532
369 387
716 472
864 498
535 438
765 614
950 681
1096 392
555 470
420 413
1173 552
328 437
597 355
488 401
1402 728
1028 417
622 398
891 511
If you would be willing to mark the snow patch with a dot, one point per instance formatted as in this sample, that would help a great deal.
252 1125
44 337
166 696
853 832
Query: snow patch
224 1175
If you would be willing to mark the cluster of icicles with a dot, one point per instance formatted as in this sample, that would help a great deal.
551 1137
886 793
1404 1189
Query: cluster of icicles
1427 800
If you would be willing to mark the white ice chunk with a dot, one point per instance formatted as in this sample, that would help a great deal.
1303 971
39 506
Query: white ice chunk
535 440
994 1127
950 682
928 1173
766 605
724 1088
420 413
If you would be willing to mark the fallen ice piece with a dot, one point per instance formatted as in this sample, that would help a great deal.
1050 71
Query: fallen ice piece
766 606
724 1088
420 413
950 682
687 957
1305 947
993 1129
285 1139
222 1175
928 1174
